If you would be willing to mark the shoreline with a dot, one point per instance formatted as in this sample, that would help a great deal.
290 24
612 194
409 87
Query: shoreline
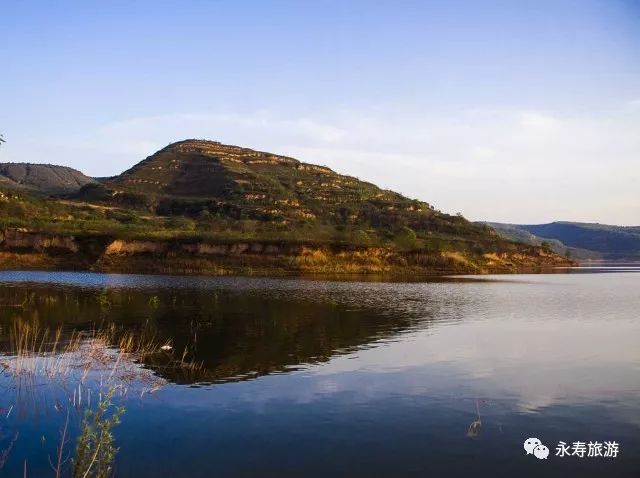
30 250
396 275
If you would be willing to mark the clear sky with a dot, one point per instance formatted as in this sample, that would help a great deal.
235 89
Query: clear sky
515 111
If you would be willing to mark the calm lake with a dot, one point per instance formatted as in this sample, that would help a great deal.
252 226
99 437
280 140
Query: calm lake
292 377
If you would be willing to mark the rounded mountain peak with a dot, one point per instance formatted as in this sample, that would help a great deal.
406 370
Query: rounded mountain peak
217 149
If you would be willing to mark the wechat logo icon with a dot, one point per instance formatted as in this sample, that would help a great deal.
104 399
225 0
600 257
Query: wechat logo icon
534 447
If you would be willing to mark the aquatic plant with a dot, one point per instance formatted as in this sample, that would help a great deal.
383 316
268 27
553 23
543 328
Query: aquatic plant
103 299
85 372
476 425
95 449
61 460
4 454
154 301
40 353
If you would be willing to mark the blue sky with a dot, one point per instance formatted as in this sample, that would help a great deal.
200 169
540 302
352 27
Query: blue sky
518 111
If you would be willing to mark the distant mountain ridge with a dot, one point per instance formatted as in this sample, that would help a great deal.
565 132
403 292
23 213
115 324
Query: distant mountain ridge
42 178
581 240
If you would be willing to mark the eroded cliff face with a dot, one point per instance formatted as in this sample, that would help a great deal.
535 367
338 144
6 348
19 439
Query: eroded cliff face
122 247
12 238
21 248
119 247
244 257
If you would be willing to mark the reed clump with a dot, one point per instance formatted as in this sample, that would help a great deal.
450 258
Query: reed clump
89 372
80 360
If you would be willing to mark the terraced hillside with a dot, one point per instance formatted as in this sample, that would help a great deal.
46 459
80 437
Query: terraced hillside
194 177
203 179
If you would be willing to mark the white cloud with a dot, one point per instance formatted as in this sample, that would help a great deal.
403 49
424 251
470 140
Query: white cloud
539 121
634 104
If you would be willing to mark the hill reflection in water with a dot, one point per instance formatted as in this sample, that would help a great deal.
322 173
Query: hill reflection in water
237 329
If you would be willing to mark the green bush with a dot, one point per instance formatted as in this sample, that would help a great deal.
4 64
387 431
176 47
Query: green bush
361 238
405 238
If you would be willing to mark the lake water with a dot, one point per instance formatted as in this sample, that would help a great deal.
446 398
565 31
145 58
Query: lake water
320 378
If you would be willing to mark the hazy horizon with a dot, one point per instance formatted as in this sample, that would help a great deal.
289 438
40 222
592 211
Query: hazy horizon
520 113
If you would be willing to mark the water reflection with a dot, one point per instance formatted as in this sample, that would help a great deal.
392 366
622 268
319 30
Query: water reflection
235 332
365 379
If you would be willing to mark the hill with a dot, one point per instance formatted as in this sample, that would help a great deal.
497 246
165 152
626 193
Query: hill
201 206
517 233
42 179
203 177
581 240
207 182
